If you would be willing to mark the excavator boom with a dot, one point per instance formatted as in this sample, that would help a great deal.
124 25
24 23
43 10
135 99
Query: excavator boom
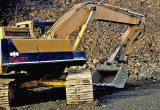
77 16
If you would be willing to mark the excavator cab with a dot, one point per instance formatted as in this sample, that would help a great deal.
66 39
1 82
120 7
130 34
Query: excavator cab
14 32
35 24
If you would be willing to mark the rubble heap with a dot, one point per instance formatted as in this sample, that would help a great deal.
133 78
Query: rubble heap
101 38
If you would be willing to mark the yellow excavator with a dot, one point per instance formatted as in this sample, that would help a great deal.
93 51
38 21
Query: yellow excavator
29 62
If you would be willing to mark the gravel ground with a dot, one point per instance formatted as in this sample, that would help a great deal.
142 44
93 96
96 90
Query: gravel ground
141 95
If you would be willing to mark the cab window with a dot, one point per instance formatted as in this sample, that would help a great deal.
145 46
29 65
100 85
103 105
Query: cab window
17 34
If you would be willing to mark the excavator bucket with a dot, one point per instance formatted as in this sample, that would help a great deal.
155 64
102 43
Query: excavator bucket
109 75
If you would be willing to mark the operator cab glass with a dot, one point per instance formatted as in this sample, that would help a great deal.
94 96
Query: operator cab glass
12 32
17 34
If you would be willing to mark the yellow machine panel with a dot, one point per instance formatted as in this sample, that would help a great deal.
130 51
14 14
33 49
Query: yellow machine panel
26 45
1 33
54 45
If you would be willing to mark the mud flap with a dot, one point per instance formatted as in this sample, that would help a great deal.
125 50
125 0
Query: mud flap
110 75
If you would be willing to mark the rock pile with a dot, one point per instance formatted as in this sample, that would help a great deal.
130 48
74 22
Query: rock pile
101 38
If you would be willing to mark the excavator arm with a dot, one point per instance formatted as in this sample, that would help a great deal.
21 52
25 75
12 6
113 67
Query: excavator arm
112 72
78 16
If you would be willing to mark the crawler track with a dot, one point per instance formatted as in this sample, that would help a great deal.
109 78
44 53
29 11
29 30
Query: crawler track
79 88
4 93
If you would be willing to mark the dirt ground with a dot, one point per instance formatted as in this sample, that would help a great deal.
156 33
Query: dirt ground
137 95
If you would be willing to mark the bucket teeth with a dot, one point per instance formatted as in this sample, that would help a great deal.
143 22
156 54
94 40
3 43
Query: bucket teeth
110 75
